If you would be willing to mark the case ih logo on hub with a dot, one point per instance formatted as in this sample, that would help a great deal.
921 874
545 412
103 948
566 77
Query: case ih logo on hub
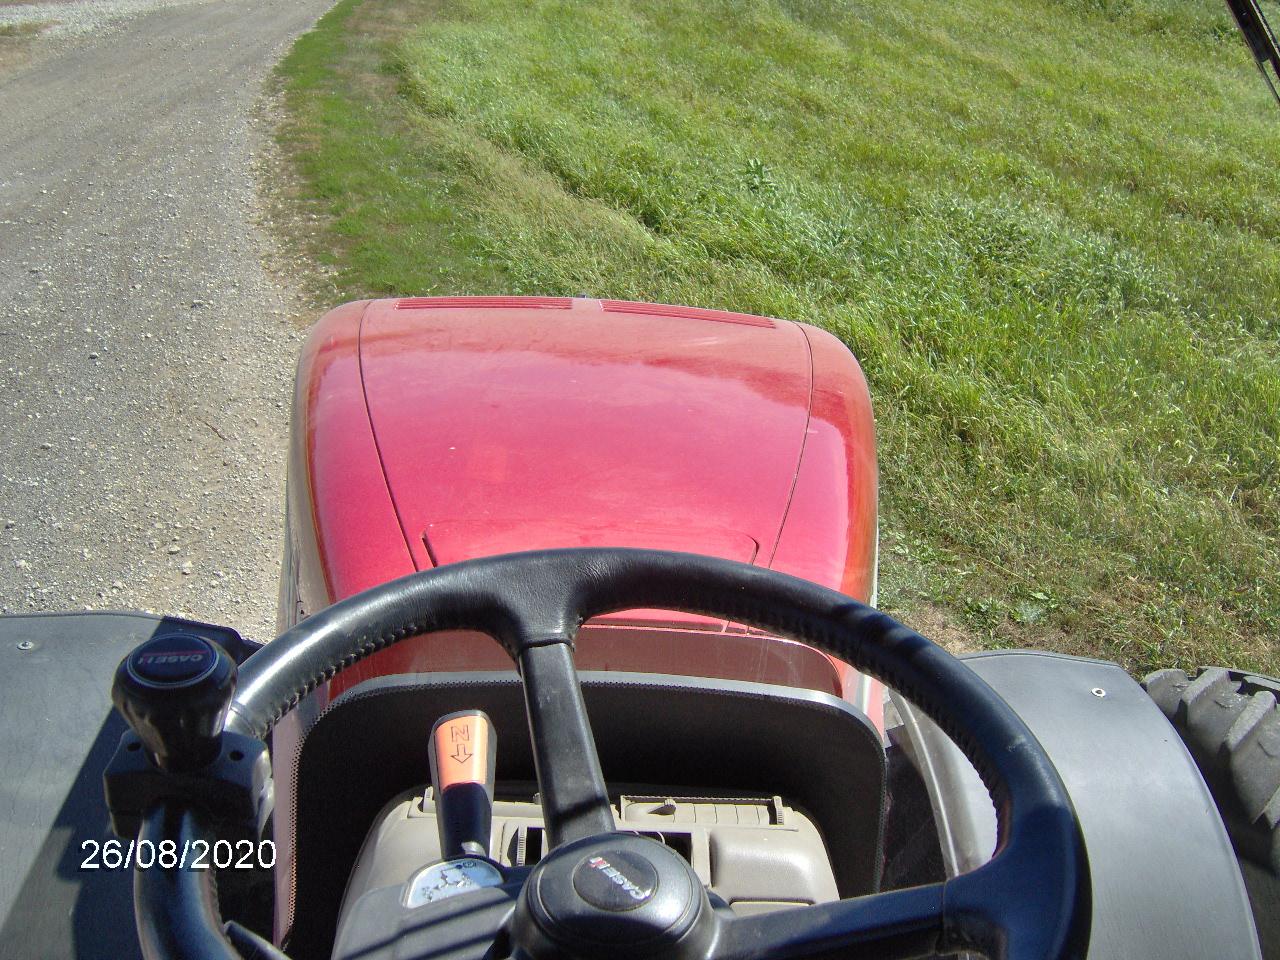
173 659
181 656
635 892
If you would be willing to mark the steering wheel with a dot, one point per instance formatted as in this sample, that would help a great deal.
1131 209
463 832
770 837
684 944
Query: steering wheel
1030 902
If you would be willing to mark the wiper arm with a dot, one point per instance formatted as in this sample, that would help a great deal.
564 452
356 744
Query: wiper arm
1261 41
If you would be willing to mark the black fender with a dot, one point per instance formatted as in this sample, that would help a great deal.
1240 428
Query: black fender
57 732
1166 883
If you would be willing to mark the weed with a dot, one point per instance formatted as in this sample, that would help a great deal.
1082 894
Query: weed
23 29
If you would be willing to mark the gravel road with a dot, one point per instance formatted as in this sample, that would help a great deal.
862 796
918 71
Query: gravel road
146 354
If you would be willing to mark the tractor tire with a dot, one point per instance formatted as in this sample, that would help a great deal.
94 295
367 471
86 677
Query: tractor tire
1230 723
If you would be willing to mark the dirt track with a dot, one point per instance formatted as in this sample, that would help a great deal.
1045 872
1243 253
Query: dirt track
145 353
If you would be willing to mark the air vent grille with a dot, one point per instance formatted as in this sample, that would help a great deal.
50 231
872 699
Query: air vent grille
530 844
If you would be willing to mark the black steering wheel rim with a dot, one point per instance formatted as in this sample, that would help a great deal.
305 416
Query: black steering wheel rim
1031 902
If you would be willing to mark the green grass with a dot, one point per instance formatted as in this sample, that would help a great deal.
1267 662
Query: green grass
1049 231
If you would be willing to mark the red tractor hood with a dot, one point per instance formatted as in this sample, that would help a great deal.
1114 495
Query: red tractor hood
431 431
507 424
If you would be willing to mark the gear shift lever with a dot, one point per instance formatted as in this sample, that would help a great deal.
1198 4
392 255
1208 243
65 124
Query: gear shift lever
463 760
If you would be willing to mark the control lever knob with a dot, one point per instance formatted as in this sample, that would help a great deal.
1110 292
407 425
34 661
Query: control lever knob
174 691
463 762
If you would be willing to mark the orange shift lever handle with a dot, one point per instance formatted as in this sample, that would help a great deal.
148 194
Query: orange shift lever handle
463 758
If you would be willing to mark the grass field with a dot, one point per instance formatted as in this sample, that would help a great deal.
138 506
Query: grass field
1049 229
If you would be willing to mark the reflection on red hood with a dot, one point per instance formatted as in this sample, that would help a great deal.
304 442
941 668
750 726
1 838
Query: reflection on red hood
509 424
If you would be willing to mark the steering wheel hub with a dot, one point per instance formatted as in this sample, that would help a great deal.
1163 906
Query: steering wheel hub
615 880
622 891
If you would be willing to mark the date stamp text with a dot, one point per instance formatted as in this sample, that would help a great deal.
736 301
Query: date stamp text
169 854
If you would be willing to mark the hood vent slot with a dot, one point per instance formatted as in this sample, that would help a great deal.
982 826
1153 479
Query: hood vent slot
510 303
688 313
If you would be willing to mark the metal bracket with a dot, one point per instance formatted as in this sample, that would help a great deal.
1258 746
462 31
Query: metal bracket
235 790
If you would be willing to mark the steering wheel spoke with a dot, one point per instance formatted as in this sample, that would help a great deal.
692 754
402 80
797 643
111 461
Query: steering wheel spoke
575 803
888 926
